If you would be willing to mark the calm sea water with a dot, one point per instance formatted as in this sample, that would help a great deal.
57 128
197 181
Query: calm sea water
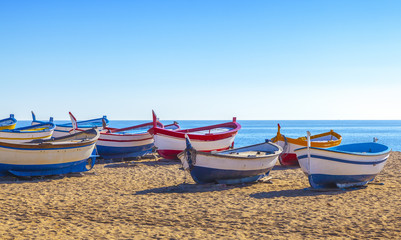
254 131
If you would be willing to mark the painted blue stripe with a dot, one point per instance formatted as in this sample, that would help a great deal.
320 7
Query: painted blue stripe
121 152
47 149
58 130
43 170
85 123
342 160
364 149
210 175
47 125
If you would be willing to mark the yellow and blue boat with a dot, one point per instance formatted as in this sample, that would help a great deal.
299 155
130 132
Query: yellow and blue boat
289 157
8 123
28 133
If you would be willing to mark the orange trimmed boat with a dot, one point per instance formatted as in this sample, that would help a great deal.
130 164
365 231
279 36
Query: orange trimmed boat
289 158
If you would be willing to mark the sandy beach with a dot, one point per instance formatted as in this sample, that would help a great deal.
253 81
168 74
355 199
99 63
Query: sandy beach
155 199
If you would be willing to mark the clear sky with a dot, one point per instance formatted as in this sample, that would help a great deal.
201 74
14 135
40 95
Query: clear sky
201 59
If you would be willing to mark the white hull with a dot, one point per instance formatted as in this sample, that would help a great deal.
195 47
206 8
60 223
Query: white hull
345 165
341 163
19 137
121 140
164 142
44 157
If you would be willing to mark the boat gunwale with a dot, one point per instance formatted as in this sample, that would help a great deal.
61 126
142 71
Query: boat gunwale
388 151
302 141
47 144
25 129
115 131
235 127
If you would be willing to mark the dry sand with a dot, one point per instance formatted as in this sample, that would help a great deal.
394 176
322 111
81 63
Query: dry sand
152 199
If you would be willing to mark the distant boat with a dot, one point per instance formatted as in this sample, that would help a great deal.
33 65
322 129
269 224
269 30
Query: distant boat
127 142
28 133
238 165
169 143
66 128
8 123
343 166
40 157
289 157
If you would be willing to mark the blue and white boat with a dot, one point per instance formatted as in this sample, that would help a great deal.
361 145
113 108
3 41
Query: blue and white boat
342 166
40 157
238 165
66 128
28 133
134 141
8 123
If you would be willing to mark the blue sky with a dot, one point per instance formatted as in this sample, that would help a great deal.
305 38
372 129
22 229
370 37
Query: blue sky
201 59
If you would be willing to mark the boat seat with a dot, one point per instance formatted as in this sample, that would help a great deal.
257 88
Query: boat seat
251 153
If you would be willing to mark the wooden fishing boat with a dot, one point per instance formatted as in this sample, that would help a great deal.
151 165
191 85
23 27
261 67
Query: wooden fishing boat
40 157
65 128
127 142
343 166
8 123
28 133
169 143
289 158
238 165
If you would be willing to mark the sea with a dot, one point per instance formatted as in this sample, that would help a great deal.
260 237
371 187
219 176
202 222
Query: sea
388 132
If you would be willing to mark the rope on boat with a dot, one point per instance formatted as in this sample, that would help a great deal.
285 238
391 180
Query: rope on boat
190 158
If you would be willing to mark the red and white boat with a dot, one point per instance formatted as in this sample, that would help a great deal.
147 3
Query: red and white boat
217 137
127 142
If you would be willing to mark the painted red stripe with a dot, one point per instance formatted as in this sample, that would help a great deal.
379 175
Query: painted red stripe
149 124
206 137
132 140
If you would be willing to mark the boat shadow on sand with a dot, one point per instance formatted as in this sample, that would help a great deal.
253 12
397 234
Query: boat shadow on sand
303 192
36 179
125 164
279 167
192 188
